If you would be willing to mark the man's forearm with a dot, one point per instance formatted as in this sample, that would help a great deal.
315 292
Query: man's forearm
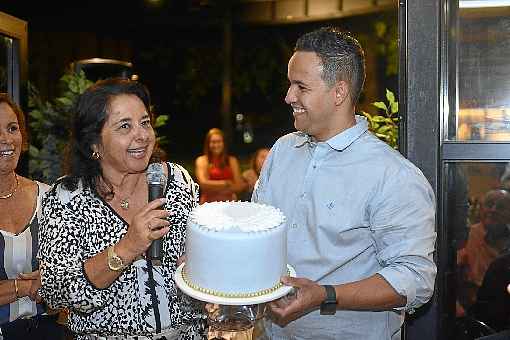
373 293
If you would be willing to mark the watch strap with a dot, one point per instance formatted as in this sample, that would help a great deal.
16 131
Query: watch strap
328 306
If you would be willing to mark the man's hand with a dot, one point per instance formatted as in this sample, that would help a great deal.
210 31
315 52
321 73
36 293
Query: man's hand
309 296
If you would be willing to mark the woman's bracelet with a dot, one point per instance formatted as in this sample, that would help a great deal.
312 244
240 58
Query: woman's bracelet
16 290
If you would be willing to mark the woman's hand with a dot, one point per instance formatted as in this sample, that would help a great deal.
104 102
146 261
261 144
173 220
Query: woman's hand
29 284
180 260
148 225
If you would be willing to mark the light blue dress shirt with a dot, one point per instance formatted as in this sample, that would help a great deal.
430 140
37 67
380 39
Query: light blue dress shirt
354 207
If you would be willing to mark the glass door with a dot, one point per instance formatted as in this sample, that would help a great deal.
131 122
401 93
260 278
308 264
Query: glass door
455 92
13 56
14 64
476 164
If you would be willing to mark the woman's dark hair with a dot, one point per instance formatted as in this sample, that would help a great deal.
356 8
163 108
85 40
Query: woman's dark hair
5 98
224 160
90 114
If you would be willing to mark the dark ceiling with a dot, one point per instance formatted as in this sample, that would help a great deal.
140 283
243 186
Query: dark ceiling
115 15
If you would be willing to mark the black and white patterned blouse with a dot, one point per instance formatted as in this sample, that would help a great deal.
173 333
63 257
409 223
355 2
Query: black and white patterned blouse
79 224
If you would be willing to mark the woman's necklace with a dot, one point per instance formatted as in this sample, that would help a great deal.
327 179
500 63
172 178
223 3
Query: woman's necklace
9 195
124 202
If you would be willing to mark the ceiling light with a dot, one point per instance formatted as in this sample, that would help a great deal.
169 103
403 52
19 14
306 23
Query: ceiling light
483 3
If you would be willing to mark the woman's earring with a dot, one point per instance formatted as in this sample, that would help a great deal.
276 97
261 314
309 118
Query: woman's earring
96 155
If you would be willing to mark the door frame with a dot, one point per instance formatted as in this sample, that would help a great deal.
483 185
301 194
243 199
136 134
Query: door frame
419 98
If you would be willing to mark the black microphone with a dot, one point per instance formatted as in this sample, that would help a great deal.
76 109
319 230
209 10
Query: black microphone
156 180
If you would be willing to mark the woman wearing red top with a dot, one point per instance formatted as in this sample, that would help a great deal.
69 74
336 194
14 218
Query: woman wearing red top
217 172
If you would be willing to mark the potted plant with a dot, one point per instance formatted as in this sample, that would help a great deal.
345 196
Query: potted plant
385 125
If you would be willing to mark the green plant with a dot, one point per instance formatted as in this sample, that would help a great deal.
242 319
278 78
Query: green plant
385 125
159 122
50 126
386 33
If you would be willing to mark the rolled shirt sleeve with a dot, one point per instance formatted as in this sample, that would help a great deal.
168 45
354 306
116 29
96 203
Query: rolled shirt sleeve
403 228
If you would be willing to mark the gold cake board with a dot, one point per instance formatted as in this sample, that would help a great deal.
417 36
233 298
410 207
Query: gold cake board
202 295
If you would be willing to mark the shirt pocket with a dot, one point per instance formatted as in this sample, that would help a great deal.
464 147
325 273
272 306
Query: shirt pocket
344 223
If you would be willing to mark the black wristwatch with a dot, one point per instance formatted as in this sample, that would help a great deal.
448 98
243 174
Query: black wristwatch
328 306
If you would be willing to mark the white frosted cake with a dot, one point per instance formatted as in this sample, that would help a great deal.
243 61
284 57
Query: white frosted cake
235 249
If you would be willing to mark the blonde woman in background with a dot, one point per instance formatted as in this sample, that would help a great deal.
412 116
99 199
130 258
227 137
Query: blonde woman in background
217 172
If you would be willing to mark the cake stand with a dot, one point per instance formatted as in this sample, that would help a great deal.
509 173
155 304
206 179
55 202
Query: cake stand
188 290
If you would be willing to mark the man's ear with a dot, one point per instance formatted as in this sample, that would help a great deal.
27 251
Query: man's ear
341 92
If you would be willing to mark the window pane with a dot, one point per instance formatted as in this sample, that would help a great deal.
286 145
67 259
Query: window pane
5 62
478 222
483 72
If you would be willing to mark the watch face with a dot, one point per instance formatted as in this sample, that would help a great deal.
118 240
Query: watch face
116 263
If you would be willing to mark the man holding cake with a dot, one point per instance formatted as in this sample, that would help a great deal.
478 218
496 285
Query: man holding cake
360 217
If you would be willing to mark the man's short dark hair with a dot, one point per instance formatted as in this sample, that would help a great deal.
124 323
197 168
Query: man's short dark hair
341 54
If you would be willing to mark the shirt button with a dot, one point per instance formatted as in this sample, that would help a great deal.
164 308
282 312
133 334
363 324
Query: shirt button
294 225
303 195
314 166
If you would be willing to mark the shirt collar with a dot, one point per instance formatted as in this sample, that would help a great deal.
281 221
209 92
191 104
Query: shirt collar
340 141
